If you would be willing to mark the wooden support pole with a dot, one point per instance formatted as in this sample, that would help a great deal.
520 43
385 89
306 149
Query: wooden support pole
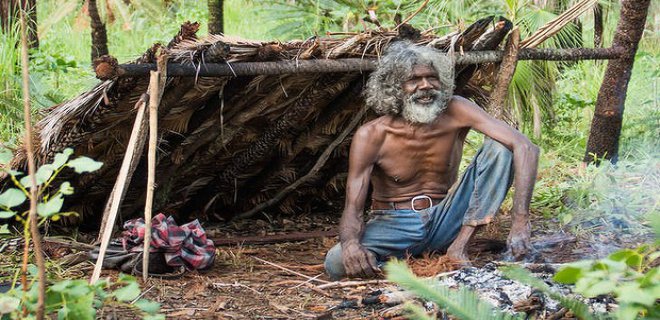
135 145
343 65
156 89
151 169
504 76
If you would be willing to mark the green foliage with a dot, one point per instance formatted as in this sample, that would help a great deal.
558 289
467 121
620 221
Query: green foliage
69 299
48 205
79 300
625 274
462 303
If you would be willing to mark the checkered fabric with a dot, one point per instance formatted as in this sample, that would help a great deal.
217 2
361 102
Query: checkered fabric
185 245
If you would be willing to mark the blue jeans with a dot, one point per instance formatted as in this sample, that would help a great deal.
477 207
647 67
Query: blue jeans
473 201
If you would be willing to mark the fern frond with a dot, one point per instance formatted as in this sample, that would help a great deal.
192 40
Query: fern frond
578 307
462 303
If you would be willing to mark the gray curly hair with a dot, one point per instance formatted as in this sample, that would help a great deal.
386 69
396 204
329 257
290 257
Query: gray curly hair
383 92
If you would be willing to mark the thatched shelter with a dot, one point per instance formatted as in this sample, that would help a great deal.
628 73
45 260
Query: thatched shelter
232 146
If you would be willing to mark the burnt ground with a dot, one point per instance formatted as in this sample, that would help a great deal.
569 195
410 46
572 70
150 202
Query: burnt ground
241 285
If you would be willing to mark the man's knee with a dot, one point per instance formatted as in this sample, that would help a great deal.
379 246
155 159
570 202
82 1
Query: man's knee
334 264
498 150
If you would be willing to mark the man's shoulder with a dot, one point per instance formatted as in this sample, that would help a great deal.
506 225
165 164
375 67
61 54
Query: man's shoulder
457 101
460 107
375 128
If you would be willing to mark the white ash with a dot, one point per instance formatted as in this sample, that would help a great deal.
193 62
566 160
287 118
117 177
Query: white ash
492 286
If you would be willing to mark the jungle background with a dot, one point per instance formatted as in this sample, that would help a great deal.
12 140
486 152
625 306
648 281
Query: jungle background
552 102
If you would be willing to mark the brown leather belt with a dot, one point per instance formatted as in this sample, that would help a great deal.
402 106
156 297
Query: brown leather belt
417 203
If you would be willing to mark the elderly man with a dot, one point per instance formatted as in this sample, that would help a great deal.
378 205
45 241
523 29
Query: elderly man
410 156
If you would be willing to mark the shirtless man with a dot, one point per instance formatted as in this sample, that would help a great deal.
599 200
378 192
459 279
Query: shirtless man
410 156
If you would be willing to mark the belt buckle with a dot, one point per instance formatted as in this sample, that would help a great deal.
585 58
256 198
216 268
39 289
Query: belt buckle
412 202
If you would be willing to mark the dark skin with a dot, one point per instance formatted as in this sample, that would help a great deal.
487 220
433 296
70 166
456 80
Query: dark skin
401 159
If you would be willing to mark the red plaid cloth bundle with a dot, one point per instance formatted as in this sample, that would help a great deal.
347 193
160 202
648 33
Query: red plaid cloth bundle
182 245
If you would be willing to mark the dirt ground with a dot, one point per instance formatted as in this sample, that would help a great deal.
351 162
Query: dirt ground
250 281
242 285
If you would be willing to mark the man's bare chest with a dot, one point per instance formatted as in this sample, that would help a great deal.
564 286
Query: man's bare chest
409 157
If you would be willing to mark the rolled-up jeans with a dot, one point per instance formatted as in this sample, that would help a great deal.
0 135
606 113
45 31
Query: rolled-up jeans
473 201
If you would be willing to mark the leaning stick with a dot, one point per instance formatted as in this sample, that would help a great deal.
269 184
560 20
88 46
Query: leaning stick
156 86
555 25
135 144
344 284
413 14
290 271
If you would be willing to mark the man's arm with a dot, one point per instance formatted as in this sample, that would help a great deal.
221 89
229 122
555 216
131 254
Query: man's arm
358 261
525 163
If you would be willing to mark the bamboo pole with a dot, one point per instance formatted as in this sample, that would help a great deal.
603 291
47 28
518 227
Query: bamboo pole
135 145
29 146
351 64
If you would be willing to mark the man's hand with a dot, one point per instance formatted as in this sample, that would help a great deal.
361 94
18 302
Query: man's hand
518 241
358 261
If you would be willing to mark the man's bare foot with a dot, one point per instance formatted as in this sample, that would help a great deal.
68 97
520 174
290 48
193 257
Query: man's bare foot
458 249
459 257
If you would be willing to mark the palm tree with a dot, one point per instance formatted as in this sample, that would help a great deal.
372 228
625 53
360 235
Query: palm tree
99 33
216 15
608 117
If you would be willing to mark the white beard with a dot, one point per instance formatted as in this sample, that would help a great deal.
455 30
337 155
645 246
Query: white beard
416 112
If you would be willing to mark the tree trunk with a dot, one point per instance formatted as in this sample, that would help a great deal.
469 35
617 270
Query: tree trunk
99 34
216 13
606 125
9 15
598 26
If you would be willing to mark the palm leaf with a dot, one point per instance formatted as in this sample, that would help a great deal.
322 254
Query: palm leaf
462 303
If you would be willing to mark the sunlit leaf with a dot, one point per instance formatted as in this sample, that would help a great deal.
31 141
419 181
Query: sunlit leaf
84 164
43 174
628 312
60 286
129 292
568 275
62 157
630 292
66 188
12 197
147 306
598 288
621 255
7 214
5 156
8 304
50 207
